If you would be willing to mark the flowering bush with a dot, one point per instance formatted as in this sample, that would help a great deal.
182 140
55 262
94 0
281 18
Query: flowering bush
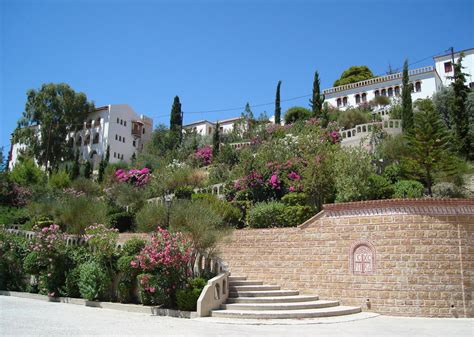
134 177
204 155
165 263
102 240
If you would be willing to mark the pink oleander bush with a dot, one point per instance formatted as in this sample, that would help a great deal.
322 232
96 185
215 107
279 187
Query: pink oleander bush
164 264
204 155
101 240
134 177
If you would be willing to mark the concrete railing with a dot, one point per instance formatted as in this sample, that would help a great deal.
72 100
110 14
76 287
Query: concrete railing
214 294
391 127
216 189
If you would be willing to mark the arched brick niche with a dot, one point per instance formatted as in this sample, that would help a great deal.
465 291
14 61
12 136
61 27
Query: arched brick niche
362 258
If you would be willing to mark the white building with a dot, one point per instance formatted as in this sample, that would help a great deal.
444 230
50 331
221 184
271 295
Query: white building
115 125
206 128
445 69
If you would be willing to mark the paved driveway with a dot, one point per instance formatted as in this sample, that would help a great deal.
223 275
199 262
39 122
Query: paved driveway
26 317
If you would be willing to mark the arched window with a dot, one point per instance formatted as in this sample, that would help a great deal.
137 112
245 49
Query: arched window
96 139
339 102
384 92
377 93
357 97
362 258
397 90
364 97
412 87
390 92
344 101
93 153
418 86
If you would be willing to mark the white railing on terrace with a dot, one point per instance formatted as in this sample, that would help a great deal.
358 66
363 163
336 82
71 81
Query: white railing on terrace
393 126
216 189
377 80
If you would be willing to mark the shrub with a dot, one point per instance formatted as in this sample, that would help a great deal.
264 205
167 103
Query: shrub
408 189
297 113
133 246
204 155
122 221
186 299
184 192
71 285
352 117
13 250
379 187
231 215
267 214
295 199
296 215
392 172
93 281
59 180
102 241
27 173
448 190
13 215
127 276
86 186
151 216
78 212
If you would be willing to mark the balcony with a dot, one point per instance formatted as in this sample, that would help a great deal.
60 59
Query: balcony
137 128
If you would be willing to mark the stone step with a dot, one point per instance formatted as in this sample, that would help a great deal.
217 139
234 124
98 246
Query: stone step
237 278
245 283
263 293
274 299
287 314
239 289
280 306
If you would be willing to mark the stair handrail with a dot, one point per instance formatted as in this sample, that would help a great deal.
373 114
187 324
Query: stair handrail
214 294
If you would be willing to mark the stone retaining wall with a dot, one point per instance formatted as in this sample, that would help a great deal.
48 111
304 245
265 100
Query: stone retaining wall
396 257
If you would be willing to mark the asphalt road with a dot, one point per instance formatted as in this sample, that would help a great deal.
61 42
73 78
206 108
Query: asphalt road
26 317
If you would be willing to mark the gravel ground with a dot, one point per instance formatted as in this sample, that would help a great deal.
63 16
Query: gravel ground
27 317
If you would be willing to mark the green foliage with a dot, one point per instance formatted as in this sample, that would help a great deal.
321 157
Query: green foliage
184 192
352 169
13 250
216 140
231 215
88 170
395 111
76 213
150 216
380 100
76 166
392 172
122 221
354 74
71 285
443 101
13 215
407 107
93 281
352 117
133 246
59 110
127 195
296 113
59 180
408 189
86 187
379 187
186 299
267 214
27 173
277 104
296 215
317 100
228 156
176 120
295 199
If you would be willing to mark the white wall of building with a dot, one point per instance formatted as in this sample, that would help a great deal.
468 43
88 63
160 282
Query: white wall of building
444 63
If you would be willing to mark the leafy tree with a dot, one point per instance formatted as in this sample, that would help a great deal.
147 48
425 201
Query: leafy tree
88 170
353 117
407 107
428 152
459 113
216 140
51 114
27 173
176 119
317 101
296 113
277 105
443 101
354 74
76 167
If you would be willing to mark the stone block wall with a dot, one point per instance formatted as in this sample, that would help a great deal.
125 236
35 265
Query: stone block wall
395 257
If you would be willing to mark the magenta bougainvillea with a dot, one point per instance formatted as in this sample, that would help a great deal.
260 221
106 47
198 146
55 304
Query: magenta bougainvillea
135 177
204 155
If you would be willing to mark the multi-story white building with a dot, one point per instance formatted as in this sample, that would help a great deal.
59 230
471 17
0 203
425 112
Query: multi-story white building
445 69
206 128
117 126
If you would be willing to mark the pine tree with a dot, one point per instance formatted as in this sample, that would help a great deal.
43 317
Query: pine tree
76 167
317 101
407 107
176 119
277 105
428 146
459 113
88 170
216 140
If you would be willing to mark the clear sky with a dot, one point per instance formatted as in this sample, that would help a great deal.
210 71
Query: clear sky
213 54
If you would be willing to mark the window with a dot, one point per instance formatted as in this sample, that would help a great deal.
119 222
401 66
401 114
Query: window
116 137
210 130
357 97
377 93
397 90
418 86
115 155
117 120
120 138
124 123
384 92
122 156
123 139
121 122
390 92
143 131
364 97
344 101
96 139
339 102
471 85
448 67
134 143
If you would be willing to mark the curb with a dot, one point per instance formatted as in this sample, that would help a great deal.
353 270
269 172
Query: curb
137 308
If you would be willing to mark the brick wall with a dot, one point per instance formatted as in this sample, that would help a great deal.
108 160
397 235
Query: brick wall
422 253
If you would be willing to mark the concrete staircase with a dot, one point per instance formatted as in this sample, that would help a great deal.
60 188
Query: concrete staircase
253 299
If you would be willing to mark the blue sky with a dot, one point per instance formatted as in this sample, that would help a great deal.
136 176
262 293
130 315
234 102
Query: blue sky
213 54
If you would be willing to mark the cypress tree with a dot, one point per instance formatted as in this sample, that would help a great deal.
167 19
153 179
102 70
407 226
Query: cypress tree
216 140
277 105
103 165
407 107
176 119
317 101
107 154
76 167
459 113
88 170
